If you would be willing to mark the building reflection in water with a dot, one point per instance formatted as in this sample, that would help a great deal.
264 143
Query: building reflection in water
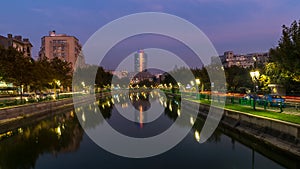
141 104
141 116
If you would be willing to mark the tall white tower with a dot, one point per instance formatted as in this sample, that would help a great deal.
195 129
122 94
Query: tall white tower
140 61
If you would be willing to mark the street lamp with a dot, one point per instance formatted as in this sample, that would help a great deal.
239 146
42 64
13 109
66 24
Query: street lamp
197 81
55 83
83 85
254 75
58 84
192 83
198 85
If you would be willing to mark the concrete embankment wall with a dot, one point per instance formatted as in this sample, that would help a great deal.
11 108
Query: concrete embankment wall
10 114
12 118
282 135
31 109
19 112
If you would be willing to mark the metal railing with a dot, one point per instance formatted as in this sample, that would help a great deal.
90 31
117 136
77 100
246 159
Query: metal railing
260 104
25 100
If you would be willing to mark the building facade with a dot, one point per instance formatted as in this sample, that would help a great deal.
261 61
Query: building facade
140 61
62 46
22 45
119 74
246 61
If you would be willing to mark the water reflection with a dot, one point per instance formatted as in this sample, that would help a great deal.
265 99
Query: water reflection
92 119
22 148
62 134
141 104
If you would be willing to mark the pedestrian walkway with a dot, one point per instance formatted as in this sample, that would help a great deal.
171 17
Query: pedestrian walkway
292 111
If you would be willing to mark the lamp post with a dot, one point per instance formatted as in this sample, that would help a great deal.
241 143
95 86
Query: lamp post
192 85
58 84
254 75
192 82
198 82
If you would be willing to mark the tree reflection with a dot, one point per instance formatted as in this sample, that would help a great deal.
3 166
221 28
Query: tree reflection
171 110
55 135
89 115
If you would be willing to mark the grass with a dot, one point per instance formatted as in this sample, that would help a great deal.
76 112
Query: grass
269 113
259 112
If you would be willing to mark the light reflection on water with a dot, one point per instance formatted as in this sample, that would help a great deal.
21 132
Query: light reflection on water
60 142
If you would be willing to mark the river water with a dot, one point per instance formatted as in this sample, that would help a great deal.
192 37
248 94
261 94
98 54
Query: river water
58 141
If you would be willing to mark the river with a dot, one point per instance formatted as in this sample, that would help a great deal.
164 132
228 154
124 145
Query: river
58 141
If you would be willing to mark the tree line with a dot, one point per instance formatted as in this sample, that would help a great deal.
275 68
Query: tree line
41 74
283 68
284 65
237 79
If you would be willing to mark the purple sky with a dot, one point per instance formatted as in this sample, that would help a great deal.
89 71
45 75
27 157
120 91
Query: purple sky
243 26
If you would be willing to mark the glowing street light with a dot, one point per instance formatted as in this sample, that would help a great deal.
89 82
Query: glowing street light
192 83
58 84
197 81
254 75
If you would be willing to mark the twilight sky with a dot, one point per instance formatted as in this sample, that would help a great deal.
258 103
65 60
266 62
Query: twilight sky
243 26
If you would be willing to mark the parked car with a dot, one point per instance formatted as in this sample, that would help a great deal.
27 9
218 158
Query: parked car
251 96
41 95
27 96
51 95
274 100
259 100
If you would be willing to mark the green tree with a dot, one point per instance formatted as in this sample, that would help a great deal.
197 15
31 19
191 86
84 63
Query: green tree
286 55
8 63
182 74
61 73
202 74
237 77
15 68
284 65
42 74
82 77
104 78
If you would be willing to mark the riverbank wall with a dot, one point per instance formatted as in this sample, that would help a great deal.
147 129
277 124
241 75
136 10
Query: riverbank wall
16 113
277 134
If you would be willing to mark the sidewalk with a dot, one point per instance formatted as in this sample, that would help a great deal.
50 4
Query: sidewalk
292 111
